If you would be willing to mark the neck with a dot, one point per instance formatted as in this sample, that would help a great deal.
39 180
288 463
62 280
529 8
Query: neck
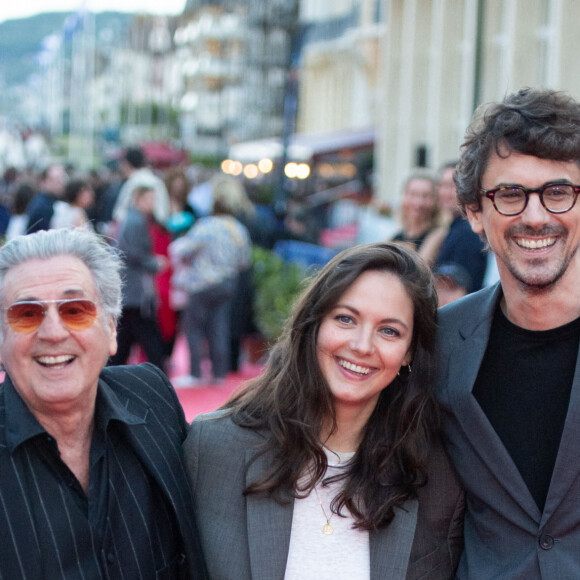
415 230
73 433
541 310
350 424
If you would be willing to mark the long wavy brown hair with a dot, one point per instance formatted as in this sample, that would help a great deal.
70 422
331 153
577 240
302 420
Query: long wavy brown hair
291 400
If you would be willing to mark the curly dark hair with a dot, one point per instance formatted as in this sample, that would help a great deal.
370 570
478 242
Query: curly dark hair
539 122
291 400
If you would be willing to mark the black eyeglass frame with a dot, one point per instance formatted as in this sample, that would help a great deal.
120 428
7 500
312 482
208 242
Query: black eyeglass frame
490 194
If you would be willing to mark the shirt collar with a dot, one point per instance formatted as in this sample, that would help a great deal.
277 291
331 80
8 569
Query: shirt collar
22 425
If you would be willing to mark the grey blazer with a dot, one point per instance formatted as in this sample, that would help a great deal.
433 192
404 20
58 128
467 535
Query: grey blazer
247 538
506 536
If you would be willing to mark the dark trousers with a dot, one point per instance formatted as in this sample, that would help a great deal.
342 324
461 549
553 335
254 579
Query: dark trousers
207 316
134 328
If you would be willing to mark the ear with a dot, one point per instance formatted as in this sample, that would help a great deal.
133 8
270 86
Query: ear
475 217
112 338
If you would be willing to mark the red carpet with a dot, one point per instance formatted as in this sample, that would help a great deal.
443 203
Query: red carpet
196 400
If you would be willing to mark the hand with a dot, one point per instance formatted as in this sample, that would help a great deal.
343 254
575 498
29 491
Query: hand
162 263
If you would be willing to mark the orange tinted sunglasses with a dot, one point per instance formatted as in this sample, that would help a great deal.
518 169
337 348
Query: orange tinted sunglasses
76 313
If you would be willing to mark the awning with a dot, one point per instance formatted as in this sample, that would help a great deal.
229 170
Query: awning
303 146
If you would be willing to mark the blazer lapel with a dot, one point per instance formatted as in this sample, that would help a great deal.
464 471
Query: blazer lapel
566 467
143 433
269 526
390 547
461 374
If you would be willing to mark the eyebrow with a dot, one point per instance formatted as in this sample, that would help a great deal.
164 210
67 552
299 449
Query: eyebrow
382 321
72 292
545 184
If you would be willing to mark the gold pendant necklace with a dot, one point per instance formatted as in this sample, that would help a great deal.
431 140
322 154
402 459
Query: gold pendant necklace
327 528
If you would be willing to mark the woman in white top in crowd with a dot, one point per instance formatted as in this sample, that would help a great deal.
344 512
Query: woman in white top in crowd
329 465
71 211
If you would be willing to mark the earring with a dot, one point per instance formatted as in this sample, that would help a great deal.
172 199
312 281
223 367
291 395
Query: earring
408 371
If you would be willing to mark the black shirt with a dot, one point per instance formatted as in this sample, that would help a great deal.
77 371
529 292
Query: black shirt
123 527
416 241
523 387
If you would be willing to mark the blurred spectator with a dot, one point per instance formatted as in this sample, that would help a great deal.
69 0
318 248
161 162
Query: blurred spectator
8 181
201 197
420 217
106 201
134 166
71 211
138 323
52 183
19 220
207 263
452 281
181 214
242 309
461 245
167 315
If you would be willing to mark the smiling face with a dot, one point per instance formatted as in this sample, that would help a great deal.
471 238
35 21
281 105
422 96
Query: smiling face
419 202
55 369
365 339
536 248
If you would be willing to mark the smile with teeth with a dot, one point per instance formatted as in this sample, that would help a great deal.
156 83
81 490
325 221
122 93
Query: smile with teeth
530 244
55 360
354 368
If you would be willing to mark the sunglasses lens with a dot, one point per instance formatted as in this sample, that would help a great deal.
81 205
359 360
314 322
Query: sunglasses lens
28 316
78 314
25 316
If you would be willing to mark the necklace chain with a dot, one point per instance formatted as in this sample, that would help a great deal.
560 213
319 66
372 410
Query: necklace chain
327 528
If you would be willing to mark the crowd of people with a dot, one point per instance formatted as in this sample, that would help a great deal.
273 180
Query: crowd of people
432 224
387 437
183 241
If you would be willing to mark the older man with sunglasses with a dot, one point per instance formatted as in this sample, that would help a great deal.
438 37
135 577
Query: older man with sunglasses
92 483
509 378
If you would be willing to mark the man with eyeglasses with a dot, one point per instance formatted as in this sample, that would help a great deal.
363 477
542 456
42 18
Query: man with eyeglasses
509 385
92 480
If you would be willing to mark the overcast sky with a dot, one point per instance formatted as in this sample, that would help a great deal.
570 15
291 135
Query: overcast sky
10 9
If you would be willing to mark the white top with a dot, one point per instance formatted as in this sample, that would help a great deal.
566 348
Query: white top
68 216
312 554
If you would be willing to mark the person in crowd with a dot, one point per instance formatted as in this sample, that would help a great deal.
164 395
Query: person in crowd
134 167
181 214
105 201
9 183
92 478
461 245
452 281
420 217
242 309
509 383
18 221
181 218
207 264
138 324
330 465
52 183
71 210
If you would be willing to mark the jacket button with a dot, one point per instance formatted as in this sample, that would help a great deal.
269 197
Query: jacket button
546 542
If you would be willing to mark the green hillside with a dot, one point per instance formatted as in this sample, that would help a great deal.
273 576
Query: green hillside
21 41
